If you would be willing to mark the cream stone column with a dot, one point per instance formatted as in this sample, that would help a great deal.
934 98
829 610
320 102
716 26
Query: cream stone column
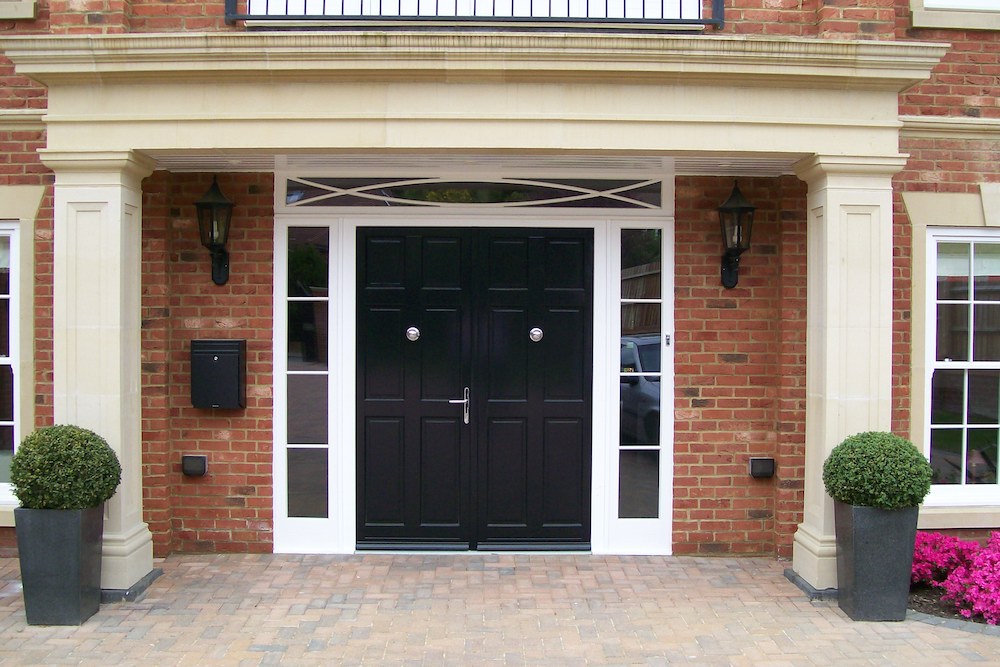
849 330
96 321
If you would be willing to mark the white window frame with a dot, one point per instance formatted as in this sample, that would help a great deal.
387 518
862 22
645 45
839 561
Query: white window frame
962 5
949 494
11 230
956 14
644 536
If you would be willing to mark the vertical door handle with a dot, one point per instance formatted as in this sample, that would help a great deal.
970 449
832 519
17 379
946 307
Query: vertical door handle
465 404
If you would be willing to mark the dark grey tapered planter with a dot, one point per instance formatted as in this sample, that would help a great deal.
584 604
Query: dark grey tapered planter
874 560
60 556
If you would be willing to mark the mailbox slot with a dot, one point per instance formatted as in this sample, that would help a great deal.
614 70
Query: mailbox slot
219 374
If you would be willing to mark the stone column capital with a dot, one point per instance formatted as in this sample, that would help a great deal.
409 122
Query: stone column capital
816 167
98 168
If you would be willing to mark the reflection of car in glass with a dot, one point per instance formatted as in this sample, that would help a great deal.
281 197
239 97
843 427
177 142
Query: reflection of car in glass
640 394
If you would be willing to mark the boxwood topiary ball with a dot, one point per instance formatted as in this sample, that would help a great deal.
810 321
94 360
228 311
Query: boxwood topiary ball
877 469
64 468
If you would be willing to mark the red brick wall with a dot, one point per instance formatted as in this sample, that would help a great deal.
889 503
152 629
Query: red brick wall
739 371
230 508
966 83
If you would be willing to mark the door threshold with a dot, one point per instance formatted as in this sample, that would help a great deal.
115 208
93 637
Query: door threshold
472 552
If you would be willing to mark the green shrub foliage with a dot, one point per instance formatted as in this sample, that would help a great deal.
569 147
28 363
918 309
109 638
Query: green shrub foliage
64 468
877 469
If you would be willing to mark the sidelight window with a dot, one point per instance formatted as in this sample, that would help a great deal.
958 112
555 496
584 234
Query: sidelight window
308 370
641 373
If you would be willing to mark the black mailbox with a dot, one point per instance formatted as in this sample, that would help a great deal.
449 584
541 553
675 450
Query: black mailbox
219 373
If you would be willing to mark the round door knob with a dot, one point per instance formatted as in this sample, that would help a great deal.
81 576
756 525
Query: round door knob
412 333
535 335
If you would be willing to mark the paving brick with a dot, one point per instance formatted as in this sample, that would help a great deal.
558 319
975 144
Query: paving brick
478 609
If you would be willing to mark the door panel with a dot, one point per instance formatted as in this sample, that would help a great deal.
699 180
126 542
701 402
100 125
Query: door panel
384 457
440 343
564 373
518 475
506 462
440 472
563 473
384 371
507 347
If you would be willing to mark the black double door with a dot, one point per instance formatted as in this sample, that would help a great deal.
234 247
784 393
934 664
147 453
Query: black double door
474 385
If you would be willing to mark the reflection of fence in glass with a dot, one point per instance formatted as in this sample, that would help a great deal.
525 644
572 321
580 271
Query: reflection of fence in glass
487 9
640 282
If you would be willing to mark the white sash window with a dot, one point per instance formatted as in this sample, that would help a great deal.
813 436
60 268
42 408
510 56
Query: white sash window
963 365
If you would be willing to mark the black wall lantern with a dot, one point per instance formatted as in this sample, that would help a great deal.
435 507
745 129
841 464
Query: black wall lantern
736 218
215 212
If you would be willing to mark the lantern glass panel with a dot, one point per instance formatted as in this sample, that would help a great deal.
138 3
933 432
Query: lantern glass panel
213 222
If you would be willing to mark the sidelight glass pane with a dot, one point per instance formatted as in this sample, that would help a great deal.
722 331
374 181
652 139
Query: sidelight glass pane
308 492
987 272
984 397
639 484
308 261
946 455
953 271
952 332
947 397
307 409
640 410
981 458
308 335
641 320
641 263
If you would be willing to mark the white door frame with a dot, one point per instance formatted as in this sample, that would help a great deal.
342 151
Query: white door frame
337 533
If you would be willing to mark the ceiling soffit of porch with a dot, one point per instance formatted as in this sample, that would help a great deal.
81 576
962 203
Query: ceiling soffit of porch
471 92
380 164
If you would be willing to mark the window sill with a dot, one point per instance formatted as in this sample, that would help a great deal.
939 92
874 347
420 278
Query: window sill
17 9
957 19
7 514
941 518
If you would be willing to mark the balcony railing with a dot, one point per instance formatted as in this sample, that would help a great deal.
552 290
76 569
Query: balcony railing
655 14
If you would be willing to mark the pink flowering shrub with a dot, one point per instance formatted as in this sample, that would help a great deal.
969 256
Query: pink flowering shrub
935 556
975 586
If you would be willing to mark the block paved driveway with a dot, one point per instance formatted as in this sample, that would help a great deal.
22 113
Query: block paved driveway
476 609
